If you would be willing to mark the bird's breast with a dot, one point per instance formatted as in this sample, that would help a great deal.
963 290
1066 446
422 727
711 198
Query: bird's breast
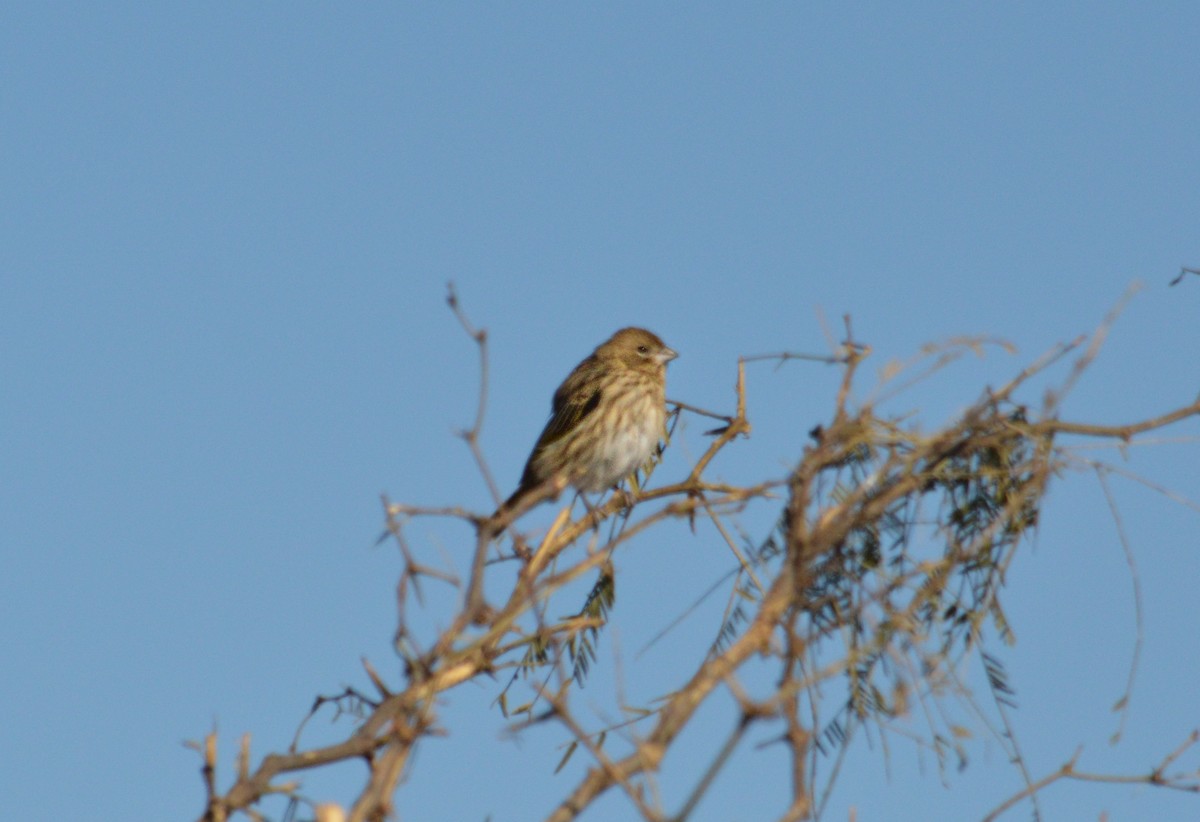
624 443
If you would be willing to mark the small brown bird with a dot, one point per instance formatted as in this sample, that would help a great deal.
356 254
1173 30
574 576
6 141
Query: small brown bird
606 419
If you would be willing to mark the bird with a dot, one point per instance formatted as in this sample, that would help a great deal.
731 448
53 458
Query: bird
606 418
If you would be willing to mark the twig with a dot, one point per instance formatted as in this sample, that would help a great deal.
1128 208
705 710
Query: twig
1182 273
1138 616
696 410
733 547
471 435
1122 432
1189 783
738 425
1053 398
784 356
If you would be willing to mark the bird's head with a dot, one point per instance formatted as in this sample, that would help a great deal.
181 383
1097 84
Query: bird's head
637 348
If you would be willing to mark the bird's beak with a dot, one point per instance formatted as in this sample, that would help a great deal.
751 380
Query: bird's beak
666 355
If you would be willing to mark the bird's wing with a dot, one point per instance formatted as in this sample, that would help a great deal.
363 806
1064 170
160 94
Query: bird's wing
568 411
577 397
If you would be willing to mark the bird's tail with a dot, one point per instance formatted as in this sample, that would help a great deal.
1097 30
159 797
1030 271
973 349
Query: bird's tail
511 503
527 495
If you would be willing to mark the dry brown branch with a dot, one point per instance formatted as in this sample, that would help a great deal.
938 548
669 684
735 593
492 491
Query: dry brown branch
1157 777
890 556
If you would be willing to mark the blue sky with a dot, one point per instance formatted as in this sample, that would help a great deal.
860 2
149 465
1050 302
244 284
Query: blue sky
226 239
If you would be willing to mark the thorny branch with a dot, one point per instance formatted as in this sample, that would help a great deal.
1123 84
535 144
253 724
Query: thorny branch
1157 777
886 566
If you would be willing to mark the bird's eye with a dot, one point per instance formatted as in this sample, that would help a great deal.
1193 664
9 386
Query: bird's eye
643 349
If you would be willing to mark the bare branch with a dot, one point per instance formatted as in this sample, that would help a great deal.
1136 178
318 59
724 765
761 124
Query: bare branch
1183 272
884 572
1189 783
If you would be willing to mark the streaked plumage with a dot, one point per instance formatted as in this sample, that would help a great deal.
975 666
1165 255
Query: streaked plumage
606 419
